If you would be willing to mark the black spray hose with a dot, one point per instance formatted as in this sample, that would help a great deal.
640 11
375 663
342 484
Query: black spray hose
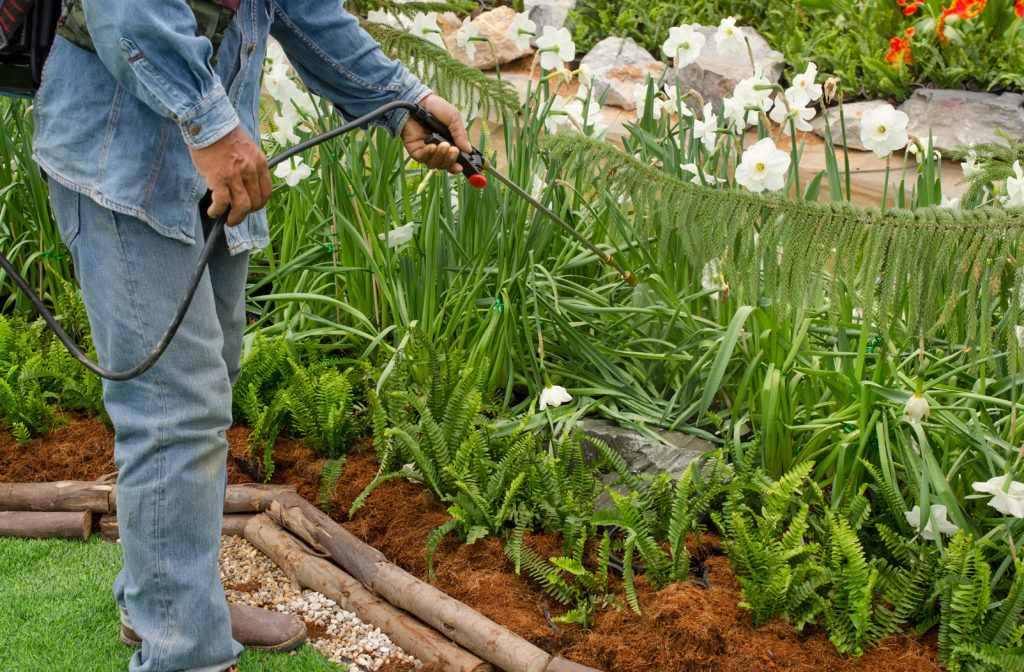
473 164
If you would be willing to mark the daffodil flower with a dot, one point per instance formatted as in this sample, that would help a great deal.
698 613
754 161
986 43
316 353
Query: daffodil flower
683 45
553 396
916 408
729 37
521 30
706 128
399 235
466 36
425 25
804 82
640 98
1015 187
555 47
1008 500
763 167
293 171
883 130
800 115
938 515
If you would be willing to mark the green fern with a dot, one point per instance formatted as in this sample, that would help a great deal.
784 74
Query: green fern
330 474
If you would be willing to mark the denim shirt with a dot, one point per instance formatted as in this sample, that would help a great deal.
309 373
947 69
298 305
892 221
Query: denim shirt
116 125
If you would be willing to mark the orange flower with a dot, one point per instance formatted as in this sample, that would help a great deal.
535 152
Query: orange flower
911 6
899 49
965 9
1018 9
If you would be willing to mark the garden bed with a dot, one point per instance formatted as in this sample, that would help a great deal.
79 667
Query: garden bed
683 627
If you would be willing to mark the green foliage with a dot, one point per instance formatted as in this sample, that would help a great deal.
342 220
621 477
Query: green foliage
883 249
330 473
647 23
37 375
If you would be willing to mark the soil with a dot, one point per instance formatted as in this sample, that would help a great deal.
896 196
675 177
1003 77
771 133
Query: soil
683 627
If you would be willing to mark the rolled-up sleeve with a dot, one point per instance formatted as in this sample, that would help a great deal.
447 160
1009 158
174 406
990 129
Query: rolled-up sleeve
340 61
152 50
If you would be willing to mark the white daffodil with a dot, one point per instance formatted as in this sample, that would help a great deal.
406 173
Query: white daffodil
277 82
586 75
711 278
669 105
285 133
555 47
521 30
938 515
386 18
554 396
729 37
917 408
752 92
293 171
537 187
640 98
883 130
275 52
1019 329
805 83
799 114
763 167
917 151
1015 187
425 25
1005 500
692 169
582 113
557 116
683 45
706 128
399 235
951 203
464 37
970 166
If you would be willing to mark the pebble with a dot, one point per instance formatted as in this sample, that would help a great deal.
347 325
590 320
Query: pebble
251 578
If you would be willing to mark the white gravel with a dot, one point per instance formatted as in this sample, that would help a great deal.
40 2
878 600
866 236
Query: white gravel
249 577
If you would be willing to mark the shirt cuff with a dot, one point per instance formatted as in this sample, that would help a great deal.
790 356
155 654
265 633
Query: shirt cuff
209 121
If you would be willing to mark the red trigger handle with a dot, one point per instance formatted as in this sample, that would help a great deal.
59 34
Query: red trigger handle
472 163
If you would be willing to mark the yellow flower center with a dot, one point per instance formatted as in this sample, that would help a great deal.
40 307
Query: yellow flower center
881 129
760 167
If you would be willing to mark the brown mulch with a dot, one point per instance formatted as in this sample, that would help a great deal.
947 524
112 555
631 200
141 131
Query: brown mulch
683 627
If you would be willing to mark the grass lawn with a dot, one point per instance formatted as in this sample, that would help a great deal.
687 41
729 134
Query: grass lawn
57 613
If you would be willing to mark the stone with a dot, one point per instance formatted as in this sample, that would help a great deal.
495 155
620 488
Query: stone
494 26
643 454
715 75
553 13
618 65
852 113
958 118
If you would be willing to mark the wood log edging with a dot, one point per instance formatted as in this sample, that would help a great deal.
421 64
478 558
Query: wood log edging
46 524
471 629
324 577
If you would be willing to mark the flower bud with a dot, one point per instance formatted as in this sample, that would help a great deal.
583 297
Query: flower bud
916 408
831 89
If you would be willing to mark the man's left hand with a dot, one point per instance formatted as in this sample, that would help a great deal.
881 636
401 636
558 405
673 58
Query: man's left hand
443 155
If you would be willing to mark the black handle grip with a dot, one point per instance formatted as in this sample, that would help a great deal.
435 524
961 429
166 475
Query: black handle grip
472 163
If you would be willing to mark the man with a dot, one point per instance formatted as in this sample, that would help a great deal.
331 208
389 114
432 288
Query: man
131 136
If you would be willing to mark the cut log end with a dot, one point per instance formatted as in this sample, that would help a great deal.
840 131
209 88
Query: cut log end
46 524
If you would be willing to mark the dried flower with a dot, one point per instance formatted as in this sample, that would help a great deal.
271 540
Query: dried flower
831 89
553 396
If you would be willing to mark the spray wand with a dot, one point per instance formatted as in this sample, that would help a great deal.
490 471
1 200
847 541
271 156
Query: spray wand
473 166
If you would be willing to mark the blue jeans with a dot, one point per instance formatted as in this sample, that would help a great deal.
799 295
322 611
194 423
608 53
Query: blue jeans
170 423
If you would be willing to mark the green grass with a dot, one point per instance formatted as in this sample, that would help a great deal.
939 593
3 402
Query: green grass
57 613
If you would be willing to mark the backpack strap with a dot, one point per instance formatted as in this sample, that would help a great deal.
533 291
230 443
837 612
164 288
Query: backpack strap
213 17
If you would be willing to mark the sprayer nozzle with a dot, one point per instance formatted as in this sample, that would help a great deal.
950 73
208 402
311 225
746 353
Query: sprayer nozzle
477 180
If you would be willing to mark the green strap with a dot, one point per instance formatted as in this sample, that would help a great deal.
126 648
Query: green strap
212 22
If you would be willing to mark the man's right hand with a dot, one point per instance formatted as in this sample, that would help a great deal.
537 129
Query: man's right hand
235 170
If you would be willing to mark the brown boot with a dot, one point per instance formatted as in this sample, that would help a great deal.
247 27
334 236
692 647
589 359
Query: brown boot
253 628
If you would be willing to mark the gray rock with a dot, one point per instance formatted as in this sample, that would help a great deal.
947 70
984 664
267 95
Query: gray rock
715 75
619 65
852 112
643 455
553 13
959 118
494 26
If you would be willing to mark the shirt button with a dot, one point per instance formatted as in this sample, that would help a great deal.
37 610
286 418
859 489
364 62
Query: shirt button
194 130
250 48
